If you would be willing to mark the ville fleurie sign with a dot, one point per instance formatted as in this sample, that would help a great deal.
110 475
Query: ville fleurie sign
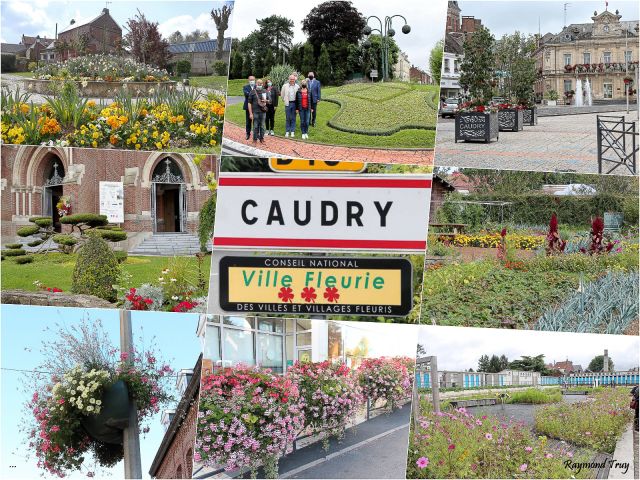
322 212
283 165
316 285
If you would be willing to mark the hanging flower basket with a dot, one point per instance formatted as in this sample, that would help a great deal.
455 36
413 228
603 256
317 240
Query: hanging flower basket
108 425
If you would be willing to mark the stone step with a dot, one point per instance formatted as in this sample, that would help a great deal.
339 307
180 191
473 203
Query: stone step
168 244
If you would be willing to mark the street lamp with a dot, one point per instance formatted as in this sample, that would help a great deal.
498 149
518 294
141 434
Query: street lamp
386 33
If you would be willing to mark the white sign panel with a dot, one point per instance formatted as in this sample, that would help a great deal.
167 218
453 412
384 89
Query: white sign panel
384 213
112 201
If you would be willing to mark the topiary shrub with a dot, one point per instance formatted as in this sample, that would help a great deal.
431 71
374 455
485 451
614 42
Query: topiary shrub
65 242
183 66
221 68
25 259
96 270
35 243
88 219
28 231
18 252
111 235
13 245
207 218
8 61
42 222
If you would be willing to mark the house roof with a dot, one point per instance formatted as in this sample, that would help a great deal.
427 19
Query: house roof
445 184
190 396
12 48
199 46
585 31
105 11
28 40
453 43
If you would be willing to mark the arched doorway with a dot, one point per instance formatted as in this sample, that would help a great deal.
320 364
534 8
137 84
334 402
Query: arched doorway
52 191
168 198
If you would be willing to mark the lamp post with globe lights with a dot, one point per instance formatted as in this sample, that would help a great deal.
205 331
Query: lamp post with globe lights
386 32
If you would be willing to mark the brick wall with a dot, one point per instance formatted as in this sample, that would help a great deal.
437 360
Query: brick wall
178 461
24 170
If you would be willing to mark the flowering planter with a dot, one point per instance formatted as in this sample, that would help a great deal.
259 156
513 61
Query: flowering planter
98 89
476 126
530 116
510 120
107 426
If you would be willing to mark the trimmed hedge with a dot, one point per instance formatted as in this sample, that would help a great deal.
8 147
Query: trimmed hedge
28 231
121 256
536 209
42 222
18 252
90 219
25 259
35 243
111 235
8 62
13 245
64 239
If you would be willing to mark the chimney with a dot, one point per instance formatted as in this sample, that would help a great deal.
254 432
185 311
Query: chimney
605 361
105 11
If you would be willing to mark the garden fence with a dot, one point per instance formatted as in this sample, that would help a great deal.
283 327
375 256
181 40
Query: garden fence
617 144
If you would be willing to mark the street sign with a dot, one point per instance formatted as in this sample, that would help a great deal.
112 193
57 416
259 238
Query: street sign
290 165
374 213
316 285
112 201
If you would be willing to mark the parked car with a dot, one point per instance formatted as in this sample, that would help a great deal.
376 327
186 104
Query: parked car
449 107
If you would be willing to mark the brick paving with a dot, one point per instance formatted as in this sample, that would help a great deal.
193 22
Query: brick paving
304 149
556 143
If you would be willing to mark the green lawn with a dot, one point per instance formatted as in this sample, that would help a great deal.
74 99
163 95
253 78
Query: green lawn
234 88
21 74
218 82
323 133
56 269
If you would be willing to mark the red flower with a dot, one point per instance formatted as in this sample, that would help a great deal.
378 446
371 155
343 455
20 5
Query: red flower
286 294
503 232
452 447
480 108
309 294
331 294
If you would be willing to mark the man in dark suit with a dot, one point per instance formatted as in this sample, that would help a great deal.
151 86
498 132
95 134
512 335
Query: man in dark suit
314 88
247 89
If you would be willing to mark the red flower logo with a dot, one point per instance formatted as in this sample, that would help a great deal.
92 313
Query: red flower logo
309 294
286 294
331 294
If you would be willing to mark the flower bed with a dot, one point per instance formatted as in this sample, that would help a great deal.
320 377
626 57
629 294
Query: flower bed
330 394
98 88
247 418
388 379
458 445
493 240
596 423
167 120
107 68
61 407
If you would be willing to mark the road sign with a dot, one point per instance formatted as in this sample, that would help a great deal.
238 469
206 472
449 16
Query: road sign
316 285
381 213
300 165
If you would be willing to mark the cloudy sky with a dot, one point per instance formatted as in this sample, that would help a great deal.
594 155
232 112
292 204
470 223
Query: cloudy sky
426 18
39 17
459 348
507 16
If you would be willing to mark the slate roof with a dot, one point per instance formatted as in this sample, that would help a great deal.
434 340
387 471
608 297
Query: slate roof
105 11
12 48
202 46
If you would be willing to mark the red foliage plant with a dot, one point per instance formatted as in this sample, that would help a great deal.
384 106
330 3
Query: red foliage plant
597 236
554 243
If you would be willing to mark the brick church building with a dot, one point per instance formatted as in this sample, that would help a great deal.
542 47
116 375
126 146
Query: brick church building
163 193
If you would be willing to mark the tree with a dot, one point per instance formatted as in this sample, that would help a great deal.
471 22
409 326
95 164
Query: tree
332 21
421 350
435 61
145 42
295 56
176 37
235 70
221 18
258 66
246 66
494 364
324 67
277 33
527 363
597 364
269 62
478 65
197 35
372 55
523 77
514 66
483 363
308 60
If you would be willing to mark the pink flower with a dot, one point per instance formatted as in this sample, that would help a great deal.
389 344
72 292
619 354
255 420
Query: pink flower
523 467
528 449
549 455
587 433
124 356
422 462
55 428
61 401
452 446
488 436
197 457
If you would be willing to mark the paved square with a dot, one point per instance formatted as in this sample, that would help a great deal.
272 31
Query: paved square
557 143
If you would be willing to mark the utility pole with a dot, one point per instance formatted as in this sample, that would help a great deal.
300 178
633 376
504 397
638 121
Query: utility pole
130 435
435 383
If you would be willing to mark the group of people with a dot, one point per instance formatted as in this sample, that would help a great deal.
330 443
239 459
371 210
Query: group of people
261 100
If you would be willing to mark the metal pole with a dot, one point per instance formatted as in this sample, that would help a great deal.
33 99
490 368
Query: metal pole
435 384
130 435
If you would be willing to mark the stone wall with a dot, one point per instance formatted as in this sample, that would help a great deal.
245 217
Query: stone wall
48 299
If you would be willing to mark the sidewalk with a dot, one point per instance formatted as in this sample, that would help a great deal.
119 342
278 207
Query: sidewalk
624 456
373 449
277 146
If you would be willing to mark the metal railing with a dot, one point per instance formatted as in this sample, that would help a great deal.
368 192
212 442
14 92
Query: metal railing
617 144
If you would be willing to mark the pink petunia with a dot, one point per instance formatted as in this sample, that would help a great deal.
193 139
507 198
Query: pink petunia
488 436
523 467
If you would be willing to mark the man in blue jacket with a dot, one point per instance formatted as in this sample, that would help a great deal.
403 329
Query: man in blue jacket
314 87
247 89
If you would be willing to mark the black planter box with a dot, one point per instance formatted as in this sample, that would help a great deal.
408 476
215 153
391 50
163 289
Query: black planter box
510 120
530 116
476 126
107 426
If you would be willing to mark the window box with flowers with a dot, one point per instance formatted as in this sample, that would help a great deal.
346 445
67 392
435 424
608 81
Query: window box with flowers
476 122
510 117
